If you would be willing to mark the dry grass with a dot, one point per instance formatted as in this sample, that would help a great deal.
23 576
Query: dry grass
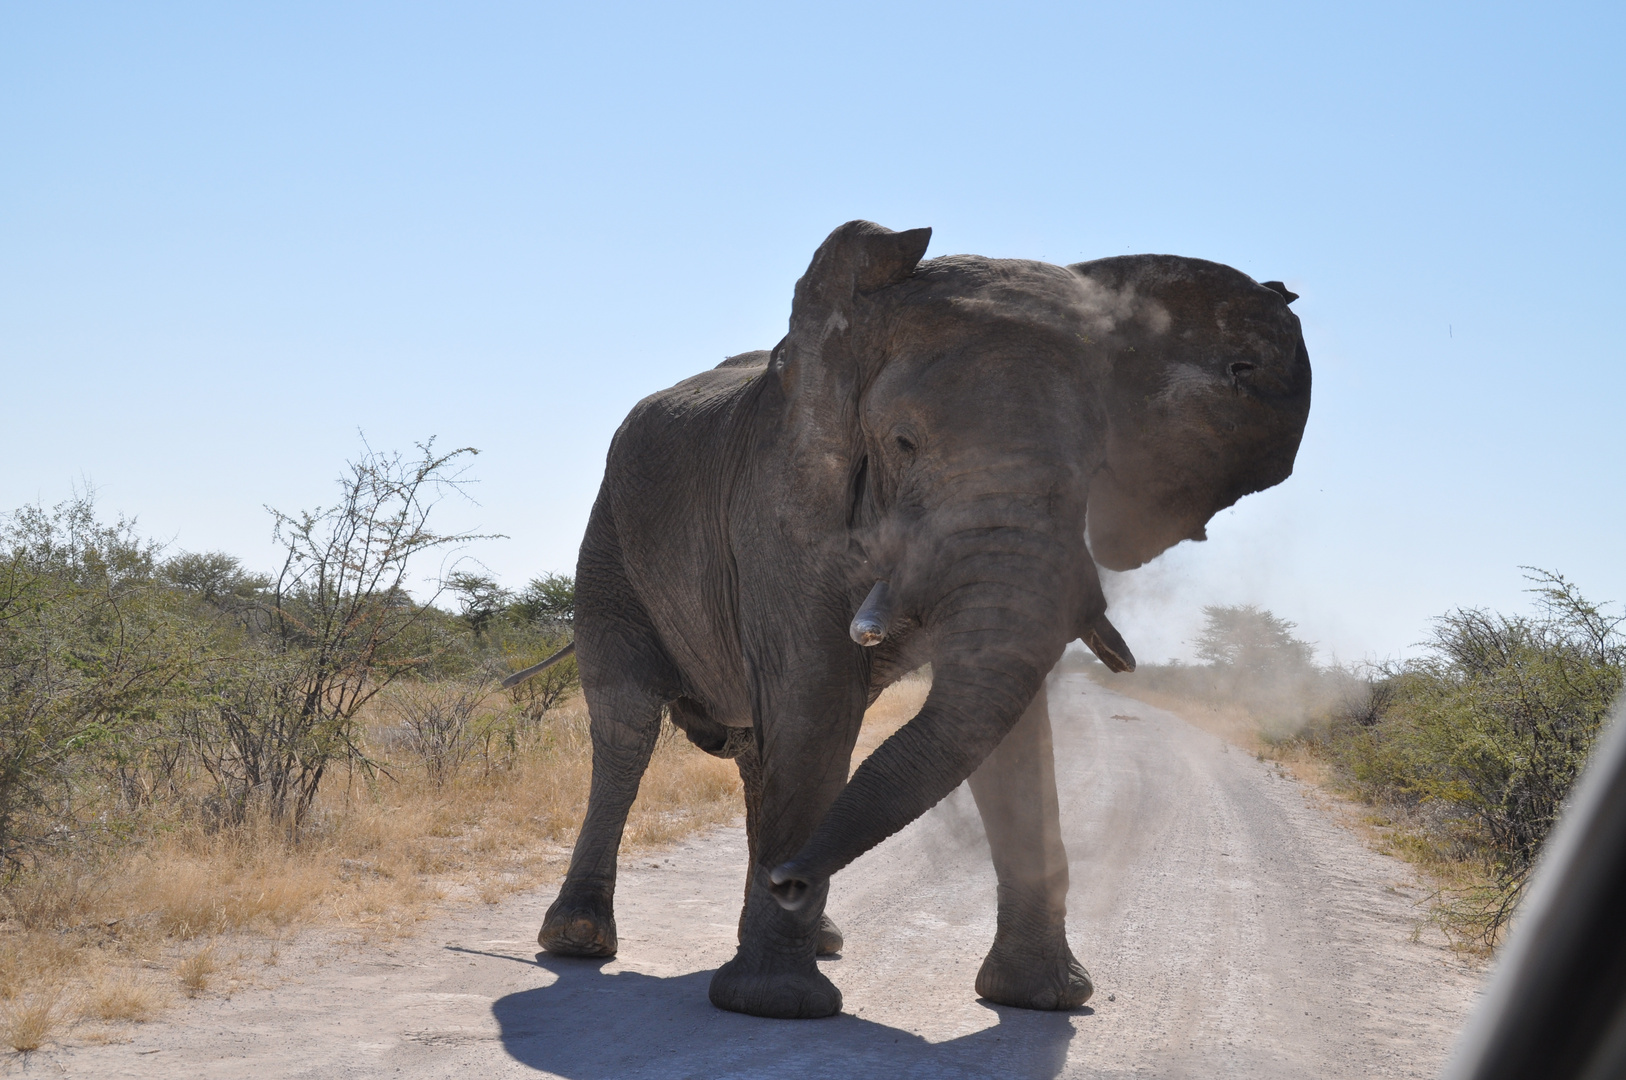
119 996
376 857
895 707
195 970
29 1022
1237 726
1229 722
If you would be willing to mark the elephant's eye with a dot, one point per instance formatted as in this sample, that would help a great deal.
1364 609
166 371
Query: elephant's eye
905 444
1240 367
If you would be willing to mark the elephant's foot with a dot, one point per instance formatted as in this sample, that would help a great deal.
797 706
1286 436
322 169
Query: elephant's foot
829 939
1034 977
743 987
579 924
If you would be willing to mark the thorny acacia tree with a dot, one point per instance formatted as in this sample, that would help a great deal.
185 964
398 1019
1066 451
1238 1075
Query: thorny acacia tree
479 599
1250 639
340 627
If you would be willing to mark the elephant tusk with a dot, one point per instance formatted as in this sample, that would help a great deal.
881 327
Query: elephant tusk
1107 644
874 616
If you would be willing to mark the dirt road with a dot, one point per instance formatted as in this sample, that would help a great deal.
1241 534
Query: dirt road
1232 927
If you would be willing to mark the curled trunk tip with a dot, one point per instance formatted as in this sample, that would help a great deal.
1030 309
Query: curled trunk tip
790 885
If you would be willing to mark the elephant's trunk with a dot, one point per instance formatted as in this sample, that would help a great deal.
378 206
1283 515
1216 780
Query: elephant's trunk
1000 625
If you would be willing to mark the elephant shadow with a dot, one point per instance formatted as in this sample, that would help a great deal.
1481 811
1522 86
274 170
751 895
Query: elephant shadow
593 1025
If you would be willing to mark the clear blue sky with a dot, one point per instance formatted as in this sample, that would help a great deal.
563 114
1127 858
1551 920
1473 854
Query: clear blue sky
231 236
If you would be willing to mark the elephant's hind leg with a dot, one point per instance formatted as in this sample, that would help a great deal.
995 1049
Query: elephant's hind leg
626 679
581 921
830 939
1030 965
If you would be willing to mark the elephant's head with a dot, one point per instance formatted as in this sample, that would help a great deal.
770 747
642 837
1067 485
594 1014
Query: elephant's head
973 419
1206 397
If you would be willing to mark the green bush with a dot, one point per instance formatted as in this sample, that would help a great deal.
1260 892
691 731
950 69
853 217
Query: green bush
1488 732
92 646
523 630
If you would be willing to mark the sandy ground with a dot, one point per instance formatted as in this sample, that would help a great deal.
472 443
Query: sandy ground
1232 926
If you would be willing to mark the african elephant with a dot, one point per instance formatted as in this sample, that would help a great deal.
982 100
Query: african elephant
929 447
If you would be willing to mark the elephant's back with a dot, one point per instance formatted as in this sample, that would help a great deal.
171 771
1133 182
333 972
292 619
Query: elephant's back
671 468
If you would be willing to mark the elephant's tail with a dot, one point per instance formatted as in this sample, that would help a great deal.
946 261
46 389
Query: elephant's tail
536 669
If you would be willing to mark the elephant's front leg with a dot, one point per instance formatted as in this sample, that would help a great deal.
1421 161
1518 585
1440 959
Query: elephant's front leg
1030 965
806 746
750 766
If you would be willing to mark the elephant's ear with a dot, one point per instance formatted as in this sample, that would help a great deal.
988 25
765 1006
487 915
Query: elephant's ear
859 257
821 363
1203 407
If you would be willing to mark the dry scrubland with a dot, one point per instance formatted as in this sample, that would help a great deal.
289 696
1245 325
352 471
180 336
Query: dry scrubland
90 946
198 761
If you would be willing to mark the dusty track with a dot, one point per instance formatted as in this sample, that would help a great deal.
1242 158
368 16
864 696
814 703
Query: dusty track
1238 929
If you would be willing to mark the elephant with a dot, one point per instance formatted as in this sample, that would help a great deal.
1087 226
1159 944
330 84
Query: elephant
927 468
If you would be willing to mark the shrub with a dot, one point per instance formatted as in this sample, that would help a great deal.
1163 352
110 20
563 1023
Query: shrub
548 602
439 724
90 647
127 674
1489 730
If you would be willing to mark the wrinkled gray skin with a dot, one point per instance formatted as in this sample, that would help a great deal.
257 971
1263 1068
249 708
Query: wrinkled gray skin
954 427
